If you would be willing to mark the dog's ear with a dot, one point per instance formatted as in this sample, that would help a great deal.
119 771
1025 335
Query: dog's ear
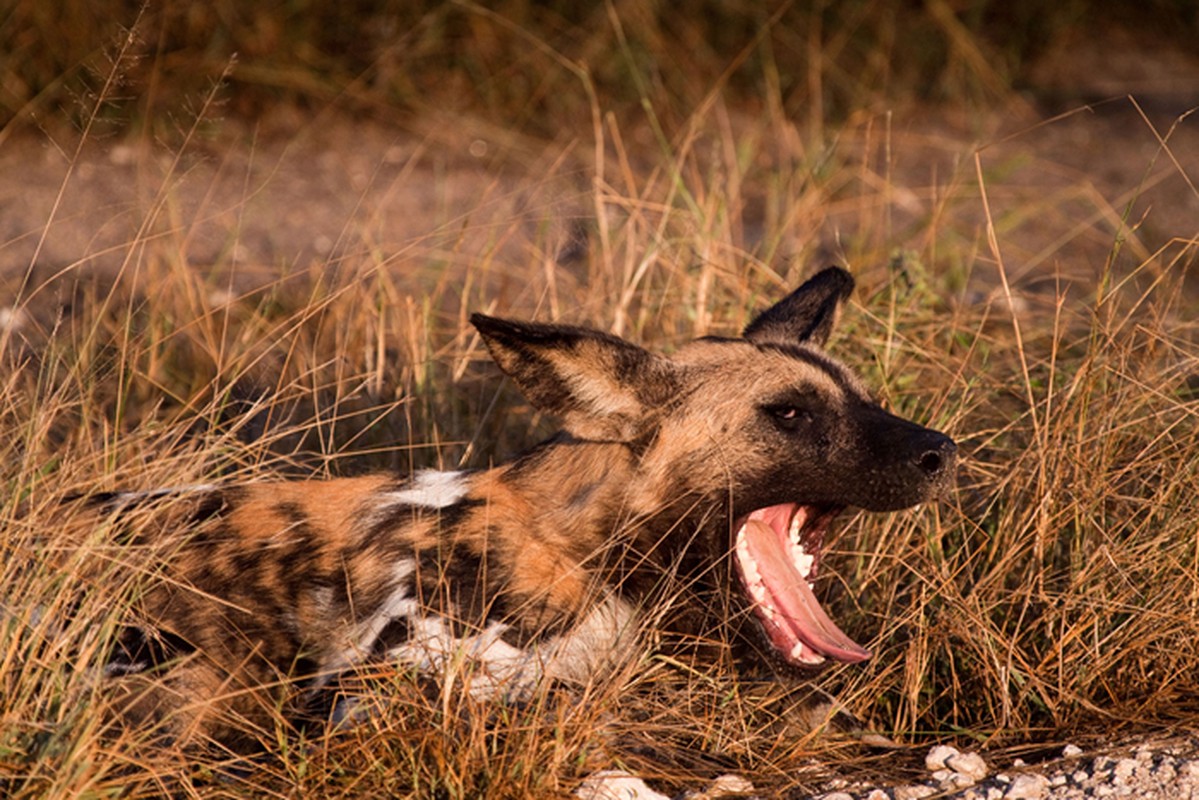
806 315
604 388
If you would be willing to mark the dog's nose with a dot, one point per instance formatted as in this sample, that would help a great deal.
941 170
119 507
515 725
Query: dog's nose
937 455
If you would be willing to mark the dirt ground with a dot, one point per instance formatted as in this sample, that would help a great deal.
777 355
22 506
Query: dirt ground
1068 166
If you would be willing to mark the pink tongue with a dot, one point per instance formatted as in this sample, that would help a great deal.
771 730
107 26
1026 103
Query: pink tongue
798 612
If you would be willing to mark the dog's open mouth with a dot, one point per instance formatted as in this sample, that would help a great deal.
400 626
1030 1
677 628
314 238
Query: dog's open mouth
777 554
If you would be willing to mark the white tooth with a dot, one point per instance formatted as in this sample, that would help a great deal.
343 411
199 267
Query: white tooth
805 654
757 589
802 560
751 572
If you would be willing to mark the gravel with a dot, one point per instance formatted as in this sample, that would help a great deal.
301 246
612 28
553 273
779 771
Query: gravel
1160 771
1167 770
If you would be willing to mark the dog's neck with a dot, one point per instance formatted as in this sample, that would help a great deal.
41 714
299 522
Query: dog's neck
600 509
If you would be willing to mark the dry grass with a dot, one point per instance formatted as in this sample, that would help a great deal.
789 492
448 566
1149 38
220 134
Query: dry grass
1056 592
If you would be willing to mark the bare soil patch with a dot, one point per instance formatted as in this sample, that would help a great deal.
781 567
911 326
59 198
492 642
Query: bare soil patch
1060 192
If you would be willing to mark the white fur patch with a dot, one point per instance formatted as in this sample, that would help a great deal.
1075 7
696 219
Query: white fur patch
361 640
429 489
492 667
598 642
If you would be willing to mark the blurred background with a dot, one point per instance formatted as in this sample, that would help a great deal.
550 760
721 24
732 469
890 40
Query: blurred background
517 63
287 130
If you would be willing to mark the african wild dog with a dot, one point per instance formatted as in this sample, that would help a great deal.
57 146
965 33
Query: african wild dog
729 458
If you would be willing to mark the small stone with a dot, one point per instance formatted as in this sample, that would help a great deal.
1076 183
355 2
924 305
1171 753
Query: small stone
938 756
1124 770
994 793
1027 787
915 792
943 775
614 784
1019 762
969 764
122 155
1003 777
1071 751
12 318
837 796
877 794
728 785
1080 776
1057 780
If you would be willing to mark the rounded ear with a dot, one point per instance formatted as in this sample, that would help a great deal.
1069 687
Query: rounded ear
806 315
604 388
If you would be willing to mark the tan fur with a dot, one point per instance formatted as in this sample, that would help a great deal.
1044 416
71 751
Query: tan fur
538 566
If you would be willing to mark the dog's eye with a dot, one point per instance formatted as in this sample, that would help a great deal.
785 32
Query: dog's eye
789 416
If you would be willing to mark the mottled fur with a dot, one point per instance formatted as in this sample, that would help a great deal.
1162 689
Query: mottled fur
538 567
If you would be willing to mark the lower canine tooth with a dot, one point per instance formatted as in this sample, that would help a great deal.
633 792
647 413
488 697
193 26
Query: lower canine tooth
803 653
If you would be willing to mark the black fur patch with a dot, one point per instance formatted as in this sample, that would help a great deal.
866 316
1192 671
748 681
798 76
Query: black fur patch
473 587
137 650
299 558
396 632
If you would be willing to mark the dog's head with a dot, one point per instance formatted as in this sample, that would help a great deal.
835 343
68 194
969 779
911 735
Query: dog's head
766 433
